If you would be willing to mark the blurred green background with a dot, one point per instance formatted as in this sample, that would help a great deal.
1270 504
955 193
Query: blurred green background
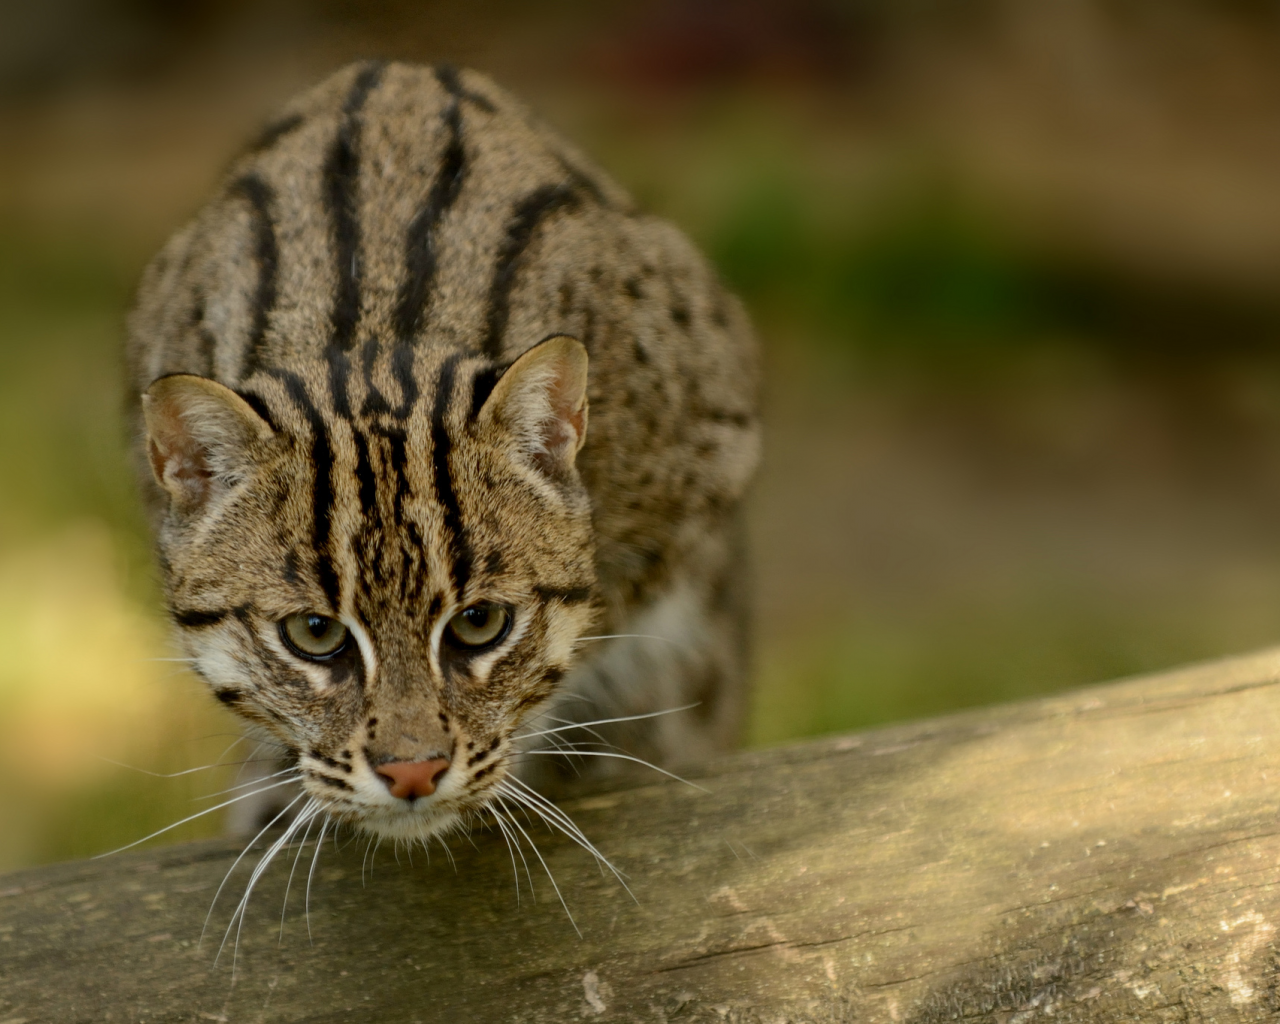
1014 264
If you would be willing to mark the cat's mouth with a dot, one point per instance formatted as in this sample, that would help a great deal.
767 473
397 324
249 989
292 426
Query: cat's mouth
400 800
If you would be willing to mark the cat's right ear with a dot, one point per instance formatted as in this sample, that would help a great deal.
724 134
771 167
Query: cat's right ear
200 436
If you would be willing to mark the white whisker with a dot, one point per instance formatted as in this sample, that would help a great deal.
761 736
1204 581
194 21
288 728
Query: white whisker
248 846
603 721
554 816
306 902
620 757
537 853
511 852
198 814
629 636
302 845
372 851
170 775
447 852
553 735
309 809
567 750
291 770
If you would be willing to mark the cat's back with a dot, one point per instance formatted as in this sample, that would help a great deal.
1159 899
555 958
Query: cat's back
394 212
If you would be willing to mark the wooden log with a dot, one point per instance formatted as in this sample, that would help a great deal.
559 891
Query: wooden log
1111 854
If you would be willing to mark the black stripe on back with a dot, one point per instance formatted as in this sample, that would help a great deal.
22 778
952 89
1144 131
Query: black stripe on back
447 76
529 214
421 261
322 458
583 180
267 254
420 240
341 183
205 341
441 445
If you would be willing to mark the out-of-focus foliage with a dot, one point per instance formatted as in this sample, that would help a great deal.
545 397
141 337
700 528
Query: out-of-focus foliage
930 277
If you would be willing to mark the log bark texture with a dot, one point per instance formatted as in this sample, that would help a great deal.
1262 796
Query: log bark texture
1108 855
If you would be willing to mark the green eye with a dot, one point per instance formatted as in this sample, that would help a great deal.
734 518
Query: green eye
313 636
480 625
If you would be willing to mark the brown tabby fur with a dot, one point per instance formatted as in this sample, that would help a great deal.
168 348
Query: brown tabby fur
359 290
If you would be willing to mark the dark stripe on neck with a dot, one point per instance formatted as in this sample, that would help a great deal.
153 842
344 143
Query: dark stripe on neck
583 181
267 254
205 340
447 76
258 405
441 445
528 216
273 133
482 385
341 186
322 458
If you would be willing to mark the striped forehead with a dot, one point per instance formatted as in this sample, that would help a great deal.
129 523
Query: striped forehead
386 525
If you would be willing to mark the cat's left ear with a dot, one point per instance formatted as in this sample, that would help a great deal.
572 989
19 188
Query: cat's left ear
201 436
542 399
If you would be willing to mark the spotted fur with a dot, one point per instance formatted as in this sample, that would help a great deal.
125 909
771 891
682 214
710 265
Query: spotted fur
338 336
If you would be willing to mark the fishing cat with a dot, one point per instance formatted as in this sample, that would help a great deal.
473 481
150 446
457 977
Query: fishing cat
424 406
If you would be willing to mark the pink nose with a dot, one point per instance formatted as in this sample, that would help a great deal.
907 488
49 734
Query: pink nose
409 780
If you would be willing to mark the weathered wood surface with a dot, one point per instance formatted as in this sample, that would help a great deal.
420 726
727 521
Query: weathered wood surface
1108 855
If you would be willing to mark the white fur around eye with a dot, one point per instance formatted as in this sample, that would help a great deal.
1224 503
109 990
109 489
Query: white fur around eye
367 652
483 661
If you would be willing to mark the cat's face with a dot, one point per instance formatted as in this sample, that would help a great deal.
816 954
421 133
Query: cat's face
389 596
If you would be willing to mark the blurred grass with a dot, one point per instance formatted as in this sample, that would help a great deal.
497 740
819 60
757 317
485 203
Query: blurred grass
869 669
912 268
79 619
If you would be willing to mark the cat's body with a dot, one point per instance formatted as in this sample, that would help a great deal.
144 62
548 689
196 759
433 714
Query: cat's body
378 459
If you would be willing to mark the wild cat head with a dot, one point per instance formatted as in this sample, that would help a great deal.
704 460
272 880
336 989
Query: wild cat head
387 591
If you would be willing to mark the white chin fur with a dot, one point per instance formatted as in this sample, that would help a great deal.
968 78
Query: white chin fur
407 824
